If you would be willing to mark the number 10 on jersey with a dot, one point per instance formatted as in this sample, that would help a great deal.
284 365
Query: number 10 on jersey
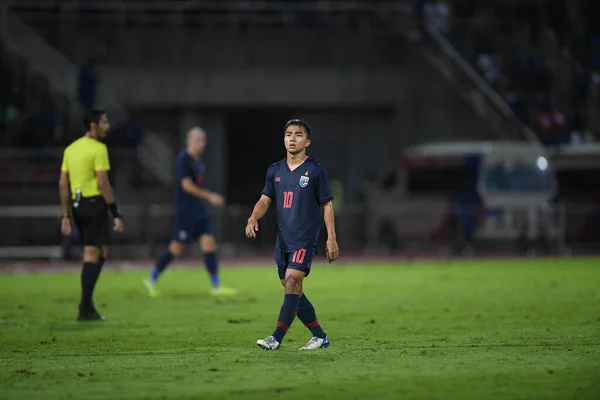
288 199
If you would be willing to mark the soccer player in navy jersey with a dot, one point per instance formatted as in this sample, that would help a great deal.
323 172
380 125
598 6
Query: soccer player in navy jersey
298 186
192 221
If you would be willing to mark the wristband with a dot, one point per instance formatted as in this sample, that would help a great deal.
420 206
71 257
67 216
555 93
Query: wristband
114 210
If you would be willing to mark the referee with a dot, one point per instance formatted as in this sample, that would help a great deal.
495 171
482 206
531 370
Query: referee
87 197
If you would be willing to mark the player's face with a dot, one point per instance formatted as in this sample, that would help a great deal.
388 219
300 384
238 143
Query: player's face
296 140
102 127
196 142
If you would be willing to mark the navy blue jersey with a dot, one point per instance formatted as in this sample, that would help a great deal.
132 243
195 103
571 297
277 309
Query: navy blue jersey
188 167
298 196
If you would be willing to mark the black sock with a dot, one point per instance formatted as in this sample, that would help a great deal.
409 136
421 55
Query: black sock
96 276
308 316
100 265
287 314
89 276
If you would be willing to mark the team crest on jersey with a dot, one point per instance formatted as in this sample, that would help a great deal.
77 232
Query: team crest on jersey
304 181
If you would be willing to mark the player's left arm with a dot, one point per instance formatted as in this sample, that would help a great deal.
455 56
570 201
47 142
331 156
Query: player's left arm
185 177
332 248
325 197
65 198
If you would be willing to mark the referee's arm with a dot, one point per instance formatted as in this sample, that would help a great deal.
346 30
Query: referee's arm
63 188
101 167
105 187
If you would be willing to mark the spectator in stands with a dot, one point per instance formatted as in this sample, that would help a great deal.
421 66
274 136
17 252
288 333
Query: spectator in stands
550 125
527 83
518 105
488 68
466 209
559 126
437 15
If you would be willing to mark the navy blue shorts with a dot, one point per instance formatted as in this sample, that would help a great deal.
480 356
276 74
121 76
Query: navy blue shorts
188 228
300 260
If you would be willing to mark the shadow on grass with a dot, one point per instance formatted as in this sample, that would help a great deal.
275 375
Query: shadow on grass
75 326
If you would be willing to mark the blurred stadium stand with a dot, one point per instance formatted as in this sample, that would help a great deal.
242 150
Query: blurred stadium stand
371 77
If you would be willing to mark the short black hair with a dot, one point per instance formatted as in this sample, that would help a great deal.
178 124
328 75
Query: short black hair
92 116
299 122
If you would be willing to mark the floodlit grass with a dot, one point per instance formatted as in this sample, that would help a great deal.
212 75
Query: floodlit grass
465 330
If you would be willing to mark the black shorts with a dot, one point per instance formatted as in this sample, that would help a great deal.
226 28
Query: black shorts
300 260
189 229
91 220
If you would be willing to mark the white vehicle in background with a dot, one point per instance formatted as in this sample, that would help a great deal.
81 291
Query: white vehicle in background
513 180
577 169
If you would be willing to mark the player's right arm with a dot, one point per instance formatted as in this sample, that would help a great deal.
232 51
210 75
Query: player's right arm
185 176
262 205
325 197
259 211
188 186
101 167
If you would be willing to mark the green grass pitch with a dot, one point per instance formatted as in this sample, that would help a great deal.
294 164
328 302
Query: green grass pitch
525 329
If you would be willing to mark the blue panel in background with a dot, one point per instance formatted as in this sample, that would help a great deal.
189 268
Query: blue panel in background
473 160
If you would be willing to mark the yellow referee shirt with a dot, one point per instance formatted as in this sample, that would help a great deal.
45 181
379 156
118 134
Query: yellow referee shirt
81 159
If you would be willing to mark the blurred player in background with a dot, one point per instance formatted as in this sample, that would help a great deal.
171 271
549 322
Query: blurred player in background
85 190
298 186
192 221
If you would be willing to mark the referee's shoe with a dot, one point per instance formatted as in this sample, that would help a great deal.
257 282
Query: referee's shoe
92 315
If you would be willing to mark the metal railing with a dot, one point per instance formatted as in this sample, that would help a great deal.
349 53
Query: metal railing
34 232
218 13
166 6
22 169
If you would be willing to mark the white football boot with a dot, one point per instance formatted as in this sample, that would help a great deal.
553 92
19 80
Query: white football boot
268 343
317 343
149 285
